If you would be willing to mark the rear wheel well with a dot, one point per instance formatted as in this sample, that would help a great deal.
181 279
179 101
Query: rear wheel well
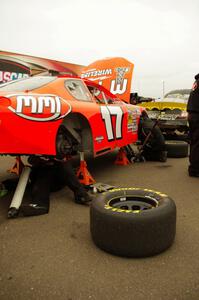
74 134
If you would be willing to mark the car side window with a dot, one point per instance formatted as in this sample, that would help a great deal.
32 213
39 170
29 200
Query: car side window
109 99
77 89
97 94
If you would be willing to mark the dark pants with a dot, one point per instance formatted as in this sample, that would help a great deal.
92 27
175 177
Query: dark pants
194 142
51 178
155 148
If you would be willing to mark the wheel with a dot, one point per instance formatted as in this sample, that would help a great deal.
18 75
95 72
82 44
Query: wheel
177 149
65 144
183 137
133 222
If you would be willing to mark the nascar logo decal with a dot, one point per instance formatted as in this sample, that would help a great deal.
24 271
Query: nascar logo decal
40 108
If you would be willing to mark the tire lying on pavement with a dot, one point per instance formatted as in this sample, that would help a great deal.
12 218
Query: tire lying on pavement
133 222
177 149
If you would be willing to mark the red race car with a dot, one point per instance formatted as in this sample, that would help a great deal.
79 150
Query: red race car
60 115
52 115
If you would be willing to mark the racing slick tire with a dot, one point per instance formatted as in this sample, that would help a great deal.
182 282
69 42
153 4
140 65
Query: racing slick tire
177 149
133 222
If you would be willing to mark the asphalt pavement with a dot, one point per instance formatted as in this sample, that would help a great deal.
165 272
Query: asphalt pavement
53 256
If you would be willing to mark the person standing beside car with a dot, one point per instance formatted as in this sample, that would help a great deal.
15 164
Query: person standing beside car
193 119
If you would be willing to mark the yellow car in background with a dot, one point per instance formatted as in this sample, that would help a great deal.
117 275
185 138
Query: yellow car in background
171 113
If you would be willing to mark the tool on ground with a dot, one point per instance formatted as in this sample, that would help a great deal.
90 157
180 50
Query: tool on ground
101 187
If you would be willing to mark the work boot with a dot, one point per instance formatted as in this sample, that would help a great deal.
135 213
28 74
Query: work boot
163 156
155 155
82 198
193 172
34 209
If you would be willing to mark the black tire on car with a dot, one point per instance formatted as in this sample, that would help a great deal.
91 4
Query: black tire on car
133 222
177 149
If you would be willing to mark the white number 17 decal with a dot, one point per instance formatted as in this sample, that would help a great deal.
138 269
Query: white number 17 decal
107 113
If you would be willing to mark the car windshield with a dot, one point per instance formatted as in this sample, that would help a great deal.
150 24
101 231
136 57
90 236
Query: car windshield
178 96
26 84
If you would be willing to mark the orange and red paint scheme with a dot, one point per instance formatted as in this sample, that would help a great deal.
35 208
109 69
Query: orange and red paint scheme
53 115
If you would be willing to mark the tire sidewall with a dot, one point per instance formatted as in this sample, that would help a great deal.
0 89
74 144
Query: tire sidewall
176 148
133 234
103 200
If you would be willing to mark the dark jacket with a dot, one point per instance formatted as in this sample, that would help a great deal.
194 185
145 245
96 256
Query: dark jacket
193 101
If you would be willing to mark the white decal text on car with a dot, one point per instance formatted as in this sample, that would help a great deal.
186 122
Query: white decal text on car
39 108
107 113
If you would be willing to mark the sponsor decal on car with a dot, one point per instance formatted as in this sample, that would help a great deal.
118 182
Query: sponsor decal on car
113 132
98 139
8 76
40 108
119 85
133 113
95 73
164 116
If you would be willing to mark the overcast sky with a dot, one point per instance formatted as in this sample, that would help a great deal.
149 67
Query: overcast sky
160 37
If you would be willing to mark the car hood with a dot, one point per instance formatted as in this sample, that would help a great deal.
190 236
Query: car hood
162 105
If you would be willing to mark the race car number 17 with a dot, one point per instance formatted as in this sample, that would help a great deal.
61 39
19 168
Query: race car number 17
107 113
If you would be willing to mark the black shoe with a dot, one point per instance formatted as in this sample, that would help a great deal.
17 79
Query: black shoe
10 184
163 156
34 209
193 174
84 199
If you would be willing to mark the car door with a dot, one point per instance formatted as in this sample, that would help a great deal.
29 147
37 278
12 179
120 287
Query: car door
107 116
113 119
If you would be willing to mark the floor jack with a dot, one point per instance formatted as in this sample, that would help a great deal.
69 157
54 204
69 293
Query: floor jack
24 173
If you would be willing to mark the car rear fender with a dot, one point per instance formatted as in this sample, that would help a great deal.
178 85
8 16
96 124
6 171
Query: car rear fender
78 127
